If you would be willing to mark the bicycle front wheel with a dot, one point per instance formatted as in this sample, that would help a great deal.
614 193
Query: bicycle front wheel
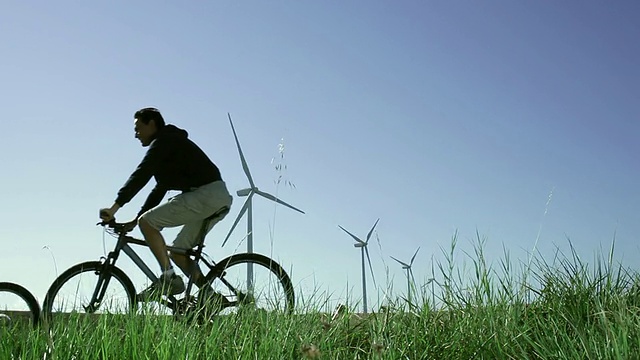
90 288
253 281
17 304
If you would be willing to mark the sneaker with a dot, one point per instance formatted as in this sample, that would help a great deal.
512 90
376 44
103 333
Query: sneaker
166 285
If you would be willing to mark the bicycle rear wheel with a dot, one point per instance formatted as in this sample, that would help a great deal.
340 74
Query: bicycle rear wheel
271 290
89 288
17 305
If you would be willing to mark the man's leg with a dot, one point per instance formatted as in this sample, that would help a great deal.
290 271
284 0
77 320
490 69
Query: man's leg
156 243
215 196
169 283
187 238
187 209
189 268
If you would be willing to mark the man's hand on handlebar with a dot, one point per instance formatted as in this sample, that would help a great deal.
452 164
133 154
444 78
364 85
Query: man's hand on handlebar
106 215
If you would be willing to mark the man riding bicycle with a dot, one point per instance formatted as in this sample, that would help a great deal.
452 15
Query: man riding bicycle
176 163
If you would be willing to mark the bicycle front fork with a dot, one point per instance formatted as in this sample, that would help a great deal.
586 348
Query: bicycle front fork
104 275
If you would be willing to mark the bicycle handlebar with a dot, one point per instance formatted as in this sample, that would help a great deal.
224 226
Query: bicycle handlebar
117 227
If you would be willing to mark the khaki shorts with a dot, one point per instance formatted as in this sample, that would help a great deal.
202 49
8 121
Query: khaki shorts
190 209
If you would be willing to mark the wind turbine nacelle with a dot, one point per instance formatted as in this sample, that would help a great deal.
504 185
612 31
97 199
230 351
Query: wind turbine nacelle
244 192
359 245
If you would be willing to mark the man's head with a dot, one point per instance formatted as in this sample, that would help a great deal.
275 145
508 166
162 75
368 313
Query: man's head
146 124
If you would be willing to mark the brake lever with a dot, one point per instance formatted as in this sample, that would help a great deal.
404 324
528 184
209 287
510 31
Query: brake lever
111 223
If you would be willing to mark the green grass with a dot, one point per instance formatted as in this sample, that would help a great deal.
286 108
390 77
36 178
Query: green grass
559 309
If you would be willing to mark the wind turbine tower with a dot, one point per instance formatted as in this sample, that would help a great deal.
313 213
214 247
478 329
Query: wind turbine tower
363 249
407 267
247 207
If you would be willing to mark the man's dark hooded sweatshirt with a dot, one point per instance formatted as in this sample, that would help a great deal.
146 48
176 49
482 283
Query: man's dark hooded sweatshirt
176 163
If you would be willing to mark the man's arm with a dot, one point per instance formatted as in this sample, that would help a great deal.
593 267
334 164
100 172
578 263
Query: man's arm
155 197
138 179
141 176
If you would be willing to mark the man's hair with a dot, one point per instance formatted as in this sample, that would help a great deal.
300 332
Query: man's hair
147 114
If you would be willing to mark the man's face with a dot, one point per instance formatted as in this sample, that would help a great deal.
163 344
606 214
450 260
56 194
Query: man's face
144 132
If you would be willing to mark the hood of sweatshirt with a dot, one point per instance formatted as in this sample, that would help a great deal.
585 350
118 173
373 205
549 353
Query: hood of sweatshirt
172 130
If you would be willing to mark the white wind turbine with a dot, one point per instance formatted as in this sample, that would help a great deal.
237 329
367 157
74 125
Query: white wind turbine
363 249
407 267
249 192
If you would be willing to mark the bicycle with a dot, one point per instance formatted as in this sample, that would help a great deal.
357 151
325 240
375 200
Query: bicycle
16 303
119 296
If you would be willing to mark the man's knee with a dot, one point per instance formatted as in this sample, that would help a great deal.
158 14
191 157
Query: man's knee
144 224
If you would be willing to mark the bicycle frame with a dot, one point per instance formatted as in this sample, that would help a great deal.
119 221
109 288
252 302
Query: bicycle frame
123 244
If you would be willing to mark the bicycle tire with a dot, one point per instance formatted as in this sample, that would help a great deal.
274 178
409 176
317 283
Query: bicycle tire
29 299
268 263
49 304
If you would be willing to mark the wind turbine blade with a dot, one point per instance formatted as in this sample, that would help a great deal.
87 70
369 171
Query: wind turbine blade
414 256
353 236
242 159
401 262
366 250
371 231
235 223
273 198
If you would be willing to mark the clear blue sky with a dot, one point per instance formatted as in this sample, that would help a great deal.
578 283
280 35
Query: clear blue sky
435 116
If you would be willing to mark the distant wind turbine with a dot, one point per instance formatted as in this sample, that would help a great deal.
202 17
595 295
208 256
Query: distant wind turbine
407 267
363 249
247 207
